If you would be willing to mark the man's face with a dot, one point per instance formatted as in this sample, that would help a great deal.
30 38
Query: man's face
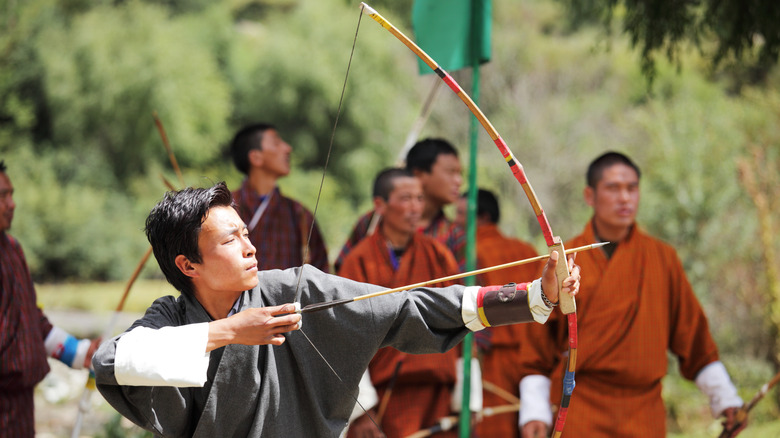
7 204
402 211
615 199
274 153
442 184
228 258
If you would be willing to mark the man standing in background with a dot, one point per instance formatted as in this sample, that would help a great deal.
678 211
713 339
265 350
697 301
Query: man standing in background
637 307
27 337
435 163
278 226
414 391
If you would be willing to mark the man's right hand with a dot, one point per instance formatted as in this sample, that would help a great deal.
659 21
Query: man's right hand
363 427
535 429
254 326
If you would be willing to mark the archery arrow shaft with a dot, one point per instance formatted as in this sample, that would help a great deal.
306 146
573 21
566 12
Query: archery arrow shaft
329 304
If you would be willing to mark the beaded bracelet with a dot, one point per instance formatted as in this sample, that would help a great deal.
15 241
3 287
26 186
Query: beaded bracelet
546 300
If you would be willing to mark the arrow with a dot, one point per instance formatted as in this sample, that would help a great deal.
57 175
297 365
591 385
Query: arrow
326 305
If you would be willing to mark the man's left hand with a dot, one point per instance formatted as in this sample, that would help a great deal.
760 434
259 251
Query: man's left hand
571 284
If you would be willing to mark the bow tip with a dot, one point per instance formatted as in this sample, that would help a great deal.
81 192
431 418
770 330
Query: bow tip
367 9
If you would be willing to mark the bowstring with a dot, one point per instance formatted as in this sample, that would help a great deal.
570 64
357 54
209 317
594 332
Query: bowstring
314 216
327 159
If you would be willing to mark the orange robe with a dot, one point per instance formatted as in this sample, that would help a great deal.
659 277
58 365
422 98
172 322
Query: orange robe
498 362
632 309
423 387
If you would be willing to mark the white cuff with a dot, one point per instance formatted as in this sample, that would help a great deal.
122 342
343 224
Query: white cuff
468 309
475 396
64 347
539 309
367 397
170 356
535 396
714 381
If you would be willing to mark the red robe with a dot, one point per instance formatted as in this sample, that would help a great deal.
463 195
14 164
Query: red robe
632 309
423 387
498 361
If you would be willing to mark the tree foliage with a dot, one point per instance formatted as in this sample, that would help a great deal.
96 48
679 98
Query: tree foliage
741 35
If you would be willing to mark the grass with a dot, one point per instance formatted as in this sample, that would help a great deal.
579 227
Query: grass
102 297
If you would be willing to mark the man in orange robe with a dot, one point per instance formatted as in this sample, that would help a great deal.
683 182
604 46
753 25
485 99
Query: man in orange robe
397 255
637 305
499 347
435 162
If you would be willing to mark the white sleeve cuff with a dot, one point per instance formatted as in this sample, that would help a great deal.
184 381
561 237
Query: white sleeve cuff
539 309
469 309
64 347
535 396
170 356
475 394
714 381
367 397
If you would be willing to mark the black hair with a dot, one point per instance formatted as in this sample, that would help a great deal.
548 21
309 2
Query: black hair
606 160
384 183
248 138
2 166
173 227
424 153
487 205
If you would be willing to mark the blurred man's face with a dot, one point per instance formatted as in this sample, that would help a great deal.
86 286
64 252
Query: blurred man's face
442 184
402 211
274 153
7 204
615 199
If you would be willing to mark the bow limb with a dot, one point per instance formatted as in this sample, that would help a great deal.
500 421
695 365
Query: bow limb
740 418
554 243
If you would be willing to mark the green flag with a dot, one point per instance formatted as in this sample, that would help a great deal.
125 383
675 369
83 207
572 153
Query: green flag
455 33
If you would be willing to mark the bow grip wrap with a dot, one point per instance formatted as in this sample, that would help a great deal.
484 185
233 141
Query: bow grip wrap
502 305
565 301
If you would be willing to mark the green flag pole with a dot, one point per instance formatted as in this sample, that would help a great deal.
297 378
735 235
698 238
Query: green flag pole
471 252
471 216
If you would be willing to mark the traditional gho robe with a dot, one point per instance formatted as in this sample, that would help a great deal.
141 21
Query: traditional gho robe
422 391
285 391
23 328
502 343
632 309
281 234
441 229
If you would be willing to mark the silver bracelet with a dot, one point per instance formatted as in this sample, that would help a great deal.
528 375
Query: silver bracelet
546 300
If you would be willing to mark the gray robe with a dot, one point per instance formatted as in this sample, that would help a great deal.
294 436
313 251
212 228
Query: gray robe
285 391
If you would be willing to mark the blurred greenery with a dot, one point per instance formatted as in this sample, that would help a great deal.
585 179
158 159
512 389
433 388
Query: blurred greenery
80 80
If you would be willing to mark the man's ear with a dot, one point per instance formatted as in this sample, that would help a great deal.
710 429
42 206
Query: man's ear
379 205
590 195
186 266
255 158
